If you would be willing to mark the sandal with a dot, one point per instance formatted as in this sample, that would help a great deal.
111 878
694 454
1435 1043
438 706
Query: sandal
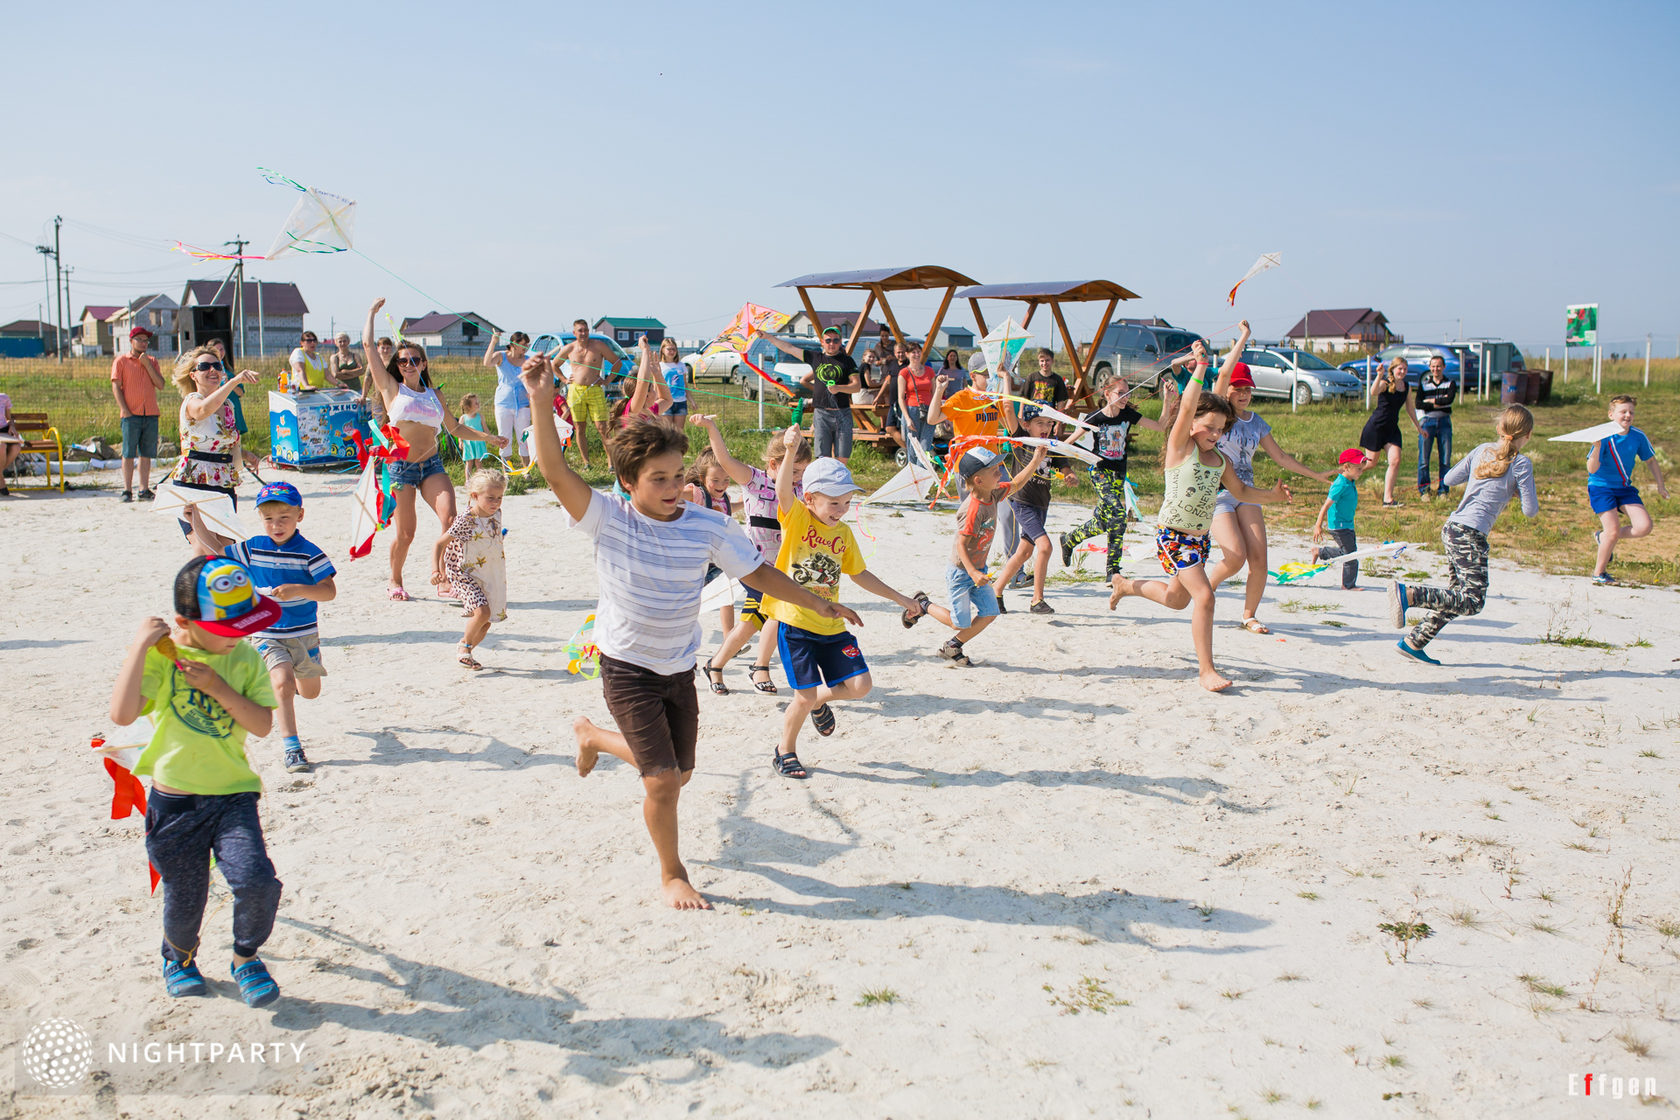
766 686
463 654
787 765
822 718
1392 505
256 987
714 677
182 978
907 618
1255 626
398 595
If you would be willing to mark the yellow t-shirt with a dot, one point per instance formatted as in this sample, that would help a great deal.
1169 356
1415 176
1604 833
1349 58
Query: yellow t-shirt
814 556
195 745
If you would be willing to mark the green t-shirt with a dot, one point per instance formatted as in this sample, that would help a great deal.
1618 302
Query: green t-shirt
196 746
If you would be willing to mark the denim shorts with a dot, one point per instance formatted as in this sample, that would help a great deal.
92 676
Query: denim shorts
413 474
677 408
1608 499
139 437
967 598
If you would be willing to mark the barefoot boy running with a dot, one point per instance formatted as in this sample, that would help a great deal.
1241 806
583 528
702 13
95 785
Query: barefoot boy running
651 554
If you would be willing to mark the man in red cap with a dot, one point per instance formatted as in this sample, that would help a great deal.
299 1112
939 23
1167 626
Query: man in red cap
135 380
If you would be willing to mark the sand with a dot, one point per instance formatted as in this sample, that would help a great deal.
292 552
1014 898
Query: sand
1063 882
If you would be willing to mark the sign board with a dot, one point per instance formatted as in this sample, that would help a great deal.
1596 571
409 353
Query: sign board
1580 328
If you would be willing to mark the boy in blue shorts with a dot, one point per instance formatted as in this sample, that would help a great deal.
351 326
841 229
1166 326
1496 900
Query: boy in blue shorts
973 601
1336 515
293 571
819 655
1610 488
205 690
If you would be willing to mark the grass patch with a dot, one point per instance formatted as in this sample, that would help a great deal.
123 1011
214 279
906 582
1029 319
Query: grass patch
1310 896
1405 933
1668 927
1576 641
1544 987
876 997
1088 995
1649 754
1632 1043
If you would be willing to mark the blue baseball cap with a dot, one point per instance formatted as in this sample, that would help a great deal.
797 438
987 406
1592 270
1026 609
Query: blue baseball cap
1030 412
831 477
228 603
279 492
975 461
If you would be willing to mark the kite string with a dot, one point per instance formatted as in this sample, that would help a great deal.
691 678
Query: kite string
406 284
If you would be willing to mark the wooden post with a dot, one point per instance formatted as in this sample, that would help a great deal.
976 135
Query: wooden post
979 319
892 320
1073 352
1102 328
816 325
857 329
938 318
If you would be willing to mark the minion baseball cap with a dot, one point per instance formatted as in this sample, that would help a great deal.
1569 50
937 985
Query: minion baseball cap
831 478
1240 377
220 597
279 492
975 461
1351 455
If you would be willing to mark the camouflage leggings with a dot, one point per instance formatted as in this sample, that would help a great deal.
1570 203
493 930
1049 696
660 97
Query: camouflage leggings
1467 552
1109 517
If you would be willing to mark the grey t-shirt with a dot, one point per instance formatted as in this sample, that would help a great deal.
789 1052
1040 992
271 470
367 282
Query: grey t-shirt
1239 442
1484 498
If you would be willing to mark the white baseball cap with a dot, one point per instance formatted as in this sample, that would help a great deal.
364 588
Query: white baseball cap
830 477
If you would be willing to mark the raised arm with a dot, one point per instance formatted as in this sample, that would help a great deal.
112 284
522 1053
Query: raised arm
1288 462
382 378
785 347
1169 408
785 496
733 467
205 406
936 411
490 350
1229 365
1178 437
573 491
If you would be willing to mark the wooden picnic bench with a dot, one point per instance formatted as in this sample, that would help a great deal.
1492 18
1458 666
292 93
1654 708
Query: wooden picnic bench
48 440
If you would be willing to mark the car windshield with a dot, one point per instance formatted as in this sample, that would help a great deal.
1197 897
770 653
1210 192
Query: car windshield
1309 361
1174 343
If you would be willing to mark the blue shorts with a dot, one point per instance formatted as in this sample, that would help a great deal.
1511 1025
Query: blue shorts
1030 520
413 474
677 408
812 659
967 598
139 437
1608 499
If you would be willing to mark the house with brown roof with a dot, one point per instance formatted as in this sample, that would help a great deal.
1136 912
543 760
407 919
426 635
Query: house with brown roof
27 338
156 312
95 338
1344 328
273 314
449 334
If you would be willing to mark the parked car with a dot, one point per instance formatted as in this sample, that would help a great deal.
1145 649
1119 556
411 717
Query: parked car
1135 351
726 365
1282 371
621 366
1460 362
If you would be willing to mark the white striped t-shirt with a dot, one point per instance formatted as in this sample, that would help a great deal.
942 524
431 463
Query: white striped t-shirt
651 573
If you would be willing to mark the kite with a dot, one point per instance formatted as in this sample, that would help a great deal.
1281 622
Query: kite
583 656
1044 410
911 484
215 510
128 794
371 508
1059 447
1297 570
1003 346
1589 435
1267 261
738 336
319 223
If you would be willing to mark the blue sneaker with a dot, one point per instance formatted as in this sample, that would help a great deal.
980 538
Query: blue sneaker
256 987
1397 605
1414 653
183 979
1604 579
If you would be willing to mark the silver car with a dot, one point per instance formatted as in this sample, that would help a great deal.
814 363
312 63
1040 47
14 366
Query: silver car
1283 371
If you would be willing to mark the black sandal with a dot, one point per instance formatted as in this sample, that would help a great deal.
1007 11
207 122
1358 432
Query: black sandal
768 687
787 765
714 678
921 601
822 718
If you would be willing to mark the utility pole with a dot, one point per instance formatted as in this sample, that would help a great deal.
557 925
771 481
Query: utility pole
67 302
1647 359
59 261
46 281
238 245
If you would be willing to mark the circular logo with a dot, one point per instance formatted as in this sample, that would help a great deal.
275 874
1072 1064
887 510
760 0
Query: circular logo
58 1054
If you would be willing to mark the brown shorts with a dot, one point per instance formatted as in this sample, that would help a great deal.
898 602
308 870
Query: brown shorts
658 716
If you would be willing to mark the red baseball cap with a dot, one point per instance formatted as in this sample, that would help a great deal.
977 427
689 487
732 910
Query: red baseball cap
136 332
1351 455
1240 377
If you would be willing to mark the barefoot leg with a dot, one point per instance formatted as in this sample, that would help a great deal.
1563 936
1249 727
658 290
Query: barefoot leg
659 810
594 741
1201 627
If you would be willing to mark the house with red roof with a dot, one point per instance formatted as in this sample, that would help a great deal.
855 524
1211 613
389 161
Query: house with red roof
1346 328
93 334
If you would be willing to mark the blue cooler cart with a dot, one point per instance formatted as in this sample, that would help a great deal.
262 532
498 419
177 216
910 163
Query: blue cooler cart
314 428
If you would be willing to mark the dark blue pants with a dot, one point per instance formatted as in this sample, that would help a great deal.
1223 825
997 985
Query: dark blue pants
1436 430
182 830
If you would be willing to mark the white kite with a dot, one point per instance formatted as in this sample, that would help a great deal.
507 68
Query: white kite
912 484
1266 261
1589 435
215 510
319 223
1056 446
1002 347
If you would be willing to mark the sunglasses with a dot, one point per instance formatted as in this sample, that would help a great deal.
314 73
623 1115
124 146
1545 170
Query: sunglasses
202 366
411 361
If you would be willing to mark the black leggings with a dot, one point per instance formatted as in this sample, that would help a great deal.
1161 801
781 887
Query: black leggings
1109 517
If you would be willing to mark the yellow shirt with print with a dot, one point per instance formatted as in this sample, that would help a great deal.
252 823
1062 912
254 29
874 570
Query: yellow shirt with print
814 556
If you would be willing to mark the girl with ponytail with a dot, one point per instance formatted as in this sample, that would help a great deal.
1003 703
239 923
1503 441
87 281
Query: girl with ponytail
1495 473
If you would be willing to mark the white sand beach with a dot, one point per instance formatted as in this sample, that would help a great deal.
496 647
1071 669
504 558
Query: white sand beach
1064 882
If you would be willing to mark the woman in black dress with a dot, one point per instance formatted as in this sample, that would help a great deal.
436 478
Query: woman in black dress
1382 429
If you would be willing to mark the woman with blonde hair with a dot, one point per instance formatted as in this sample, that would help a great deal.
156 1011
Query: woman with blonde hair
210 445
1382 430
1495 474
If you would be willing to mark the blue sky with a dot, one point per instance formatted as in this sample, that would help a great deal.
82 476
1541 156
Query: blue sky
1489 162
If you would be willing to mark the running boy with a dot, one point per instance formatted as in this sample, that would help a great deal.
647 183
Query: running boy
1030 502
293 571
974 603
651 554
819 655
1336 515
1610 487
205 690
